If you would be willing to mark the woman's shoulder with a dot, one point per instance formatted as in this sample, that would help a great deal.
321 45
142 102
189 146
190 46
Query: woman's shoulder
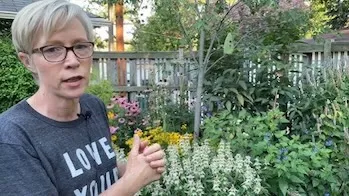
92 101
13 122
86 97
13 114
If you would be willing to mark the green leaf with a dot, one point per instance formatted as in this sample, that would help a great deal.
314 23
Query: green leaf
229 44
295 179
234 90
242 84
315 182
240 99
279 134
228 105
247 96
284 120
214 98
283 185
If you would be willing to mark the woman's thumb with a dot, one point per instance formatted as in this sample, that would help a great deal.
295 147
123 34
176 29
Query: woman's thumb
136 144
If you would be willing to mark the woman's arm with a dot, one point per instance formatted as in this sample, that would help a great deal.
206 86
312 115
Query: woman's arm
121 169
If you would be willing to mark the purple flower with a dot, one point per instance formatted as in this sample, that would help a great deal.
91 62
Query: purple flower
306 131
267 137
282 154
328 143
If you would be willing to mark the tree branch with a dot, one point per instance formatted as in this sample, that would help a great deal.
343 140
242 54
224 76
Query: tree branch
188 41
214 35
213 64
224 55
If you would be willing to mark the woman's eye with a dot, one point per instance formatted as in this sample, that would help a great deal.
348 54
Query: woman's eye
53 49
80 46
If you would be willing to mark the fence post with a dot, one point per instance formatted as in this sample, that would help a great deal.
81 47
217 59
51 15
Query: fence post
328 52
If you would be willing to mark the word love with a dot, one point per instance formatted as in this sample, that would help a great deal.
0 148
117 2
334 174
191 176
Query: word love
82 155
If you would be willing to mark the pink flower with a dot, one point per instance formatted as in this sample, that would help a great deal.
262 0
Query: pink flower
114 98
123 104
121 100
137 112
110 106
134 104
134 109
131 122
127 105
113 129
121 120
128 114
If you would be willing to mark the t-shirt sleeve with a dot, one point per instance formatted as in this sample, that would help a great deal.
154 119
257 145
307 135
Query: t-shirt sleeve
21 173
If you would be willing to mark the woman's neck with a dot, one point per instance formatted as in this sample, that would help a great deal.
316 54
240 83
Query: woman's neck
55 107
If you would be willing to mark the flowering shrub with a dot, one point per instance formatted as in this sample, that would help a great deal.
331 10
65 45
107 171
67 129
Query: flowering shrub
158 135
201 170
124 119
292 164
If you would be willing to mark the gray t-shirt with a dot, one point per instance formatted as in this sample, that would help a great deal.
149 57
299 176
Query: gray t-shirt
41 156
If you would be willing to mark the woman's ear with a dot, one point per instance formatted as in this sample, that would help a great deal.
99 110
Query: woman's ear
24 58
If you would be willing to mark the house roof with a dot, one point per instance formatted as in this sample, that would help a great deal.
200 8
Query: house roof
9 9
340 35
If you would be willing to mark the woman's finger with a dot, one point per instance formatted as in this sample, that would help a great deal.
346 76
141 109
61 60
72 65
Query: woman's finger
158 163
160 170
143 146
155 156
151 149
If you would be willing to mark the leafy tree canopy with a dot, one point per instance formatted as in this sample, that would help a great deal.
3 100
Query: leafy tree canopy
336 10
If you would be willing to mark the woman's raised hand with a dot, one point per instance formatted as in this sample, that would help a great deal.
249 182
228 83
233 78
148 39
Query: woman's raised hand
144 165
156 157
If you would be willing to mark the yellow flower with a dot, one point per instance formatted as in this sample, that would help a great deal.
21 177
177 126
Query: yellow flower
184 127
139 132
174 138
111 115
129 142
114 138
158 135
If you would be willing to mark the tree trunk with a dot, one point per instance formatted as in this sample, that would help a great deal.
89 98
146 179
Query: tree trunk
119 17
121 63
199 88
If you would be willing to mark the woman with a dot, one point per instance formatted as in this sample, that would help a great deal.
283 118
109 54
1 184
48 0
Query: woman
57 141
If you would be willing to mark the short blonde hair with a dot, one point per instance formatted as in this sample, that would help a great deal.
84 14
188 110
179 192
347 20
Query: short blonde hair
41 19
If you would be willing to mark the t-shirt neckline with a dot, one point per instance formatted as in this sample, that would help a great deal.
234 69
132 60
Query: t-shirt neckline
62 124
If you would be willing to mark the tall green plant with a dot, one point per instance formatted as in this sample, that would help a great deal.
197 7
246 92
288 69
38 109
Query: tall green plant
292 164
16 83
102 89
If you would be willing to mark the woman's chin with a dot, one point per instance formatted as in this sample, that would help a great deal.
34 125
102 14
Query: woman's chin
73 94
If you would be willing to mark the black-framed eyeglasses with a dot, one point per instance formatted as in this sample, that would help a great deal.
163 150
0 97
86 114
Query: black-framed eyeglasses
57 53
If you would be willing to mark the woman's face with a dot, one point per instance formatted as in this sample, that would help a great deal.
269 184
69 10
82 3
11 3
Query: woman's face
66 78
